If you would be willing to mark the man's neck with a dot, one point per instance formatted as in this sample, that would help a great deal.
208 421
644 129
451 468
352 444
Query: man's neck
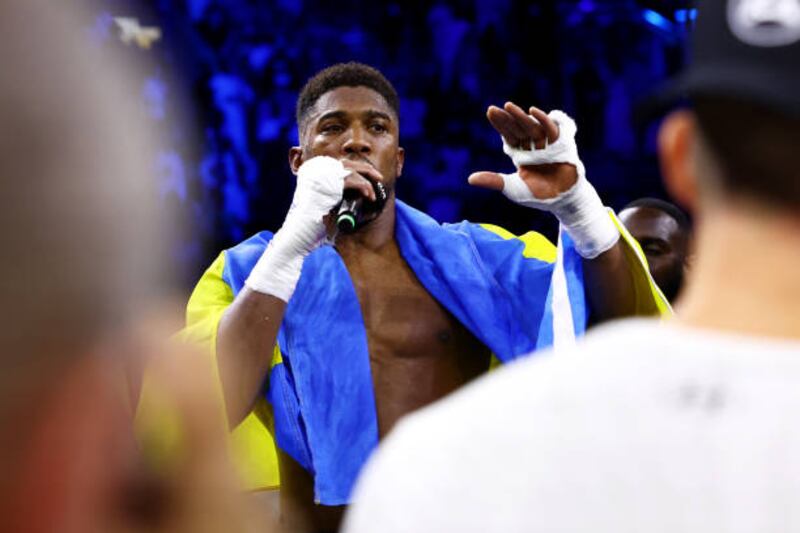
375 236
745 278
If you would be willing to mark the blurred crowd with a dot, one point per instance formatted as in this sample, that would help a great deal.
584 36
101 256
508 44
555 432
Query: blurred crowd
242 63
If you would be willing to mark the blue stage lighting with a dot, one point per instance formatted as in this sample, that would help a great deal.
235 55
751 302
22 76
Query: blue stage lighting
685 15
657 19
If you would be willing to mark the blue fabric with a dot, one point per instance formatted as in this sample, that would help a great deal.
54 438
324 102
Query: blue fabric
573 267
322 395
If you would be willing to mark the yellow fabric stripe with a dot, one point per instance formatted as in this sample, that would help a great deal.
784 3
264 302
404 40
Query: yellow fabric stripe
254 453
254 449
536 245
649 298
252 445
251 441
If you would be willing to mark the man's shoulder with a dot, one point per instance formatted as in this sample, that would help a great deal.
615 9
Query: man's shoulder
253 244
487 237
250 249
240 259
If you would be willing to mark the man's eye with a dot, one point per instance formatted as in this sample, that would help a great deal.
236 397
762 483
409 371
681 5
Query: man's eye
378 128
654 248
331 128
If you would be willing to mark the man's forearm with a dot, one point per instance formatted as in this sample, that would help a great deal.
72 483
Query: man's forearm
248 329
609 284
245 340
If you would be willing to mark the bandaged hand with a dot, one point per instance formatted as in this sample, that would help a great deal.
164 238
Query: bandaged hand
320 186
550 176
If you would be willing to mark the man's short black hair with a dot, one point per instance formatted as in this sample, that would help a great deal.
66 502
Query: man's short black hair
662 205
350 74
755 146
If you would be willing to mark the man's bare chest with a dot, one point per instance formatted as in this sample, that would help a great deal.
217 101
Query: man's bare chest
401 317
419 352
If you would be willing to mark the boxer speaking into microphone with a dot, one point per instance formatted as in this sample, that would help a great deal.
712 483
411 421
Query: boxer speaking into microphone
339 342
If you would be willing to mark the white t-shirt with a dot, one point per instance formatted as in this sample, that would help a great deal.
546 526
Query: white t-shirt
643 427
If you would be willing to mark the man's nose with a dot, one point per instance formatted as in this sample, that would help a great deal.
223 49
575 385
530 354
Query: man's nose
358 143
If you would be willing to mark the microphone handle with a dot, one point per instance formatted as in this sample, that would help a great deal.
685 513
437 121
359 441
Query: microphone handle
348 214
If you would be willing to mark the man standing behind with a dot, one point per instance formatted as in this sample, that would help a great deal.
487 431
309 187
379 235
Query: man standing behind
682 426
402 311
664 233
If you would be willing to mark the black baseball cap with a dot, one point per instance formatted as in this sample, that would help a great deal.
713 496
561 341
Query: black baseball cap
748 50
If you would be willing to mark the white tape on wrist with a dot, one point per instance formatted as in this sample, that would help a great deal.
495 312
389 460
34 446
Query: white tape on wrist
320 185
278 269
579 209
587 221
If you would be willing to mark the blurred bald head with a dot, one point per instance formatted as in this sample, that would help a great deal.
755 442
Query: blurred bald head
82 239
82 243
80 231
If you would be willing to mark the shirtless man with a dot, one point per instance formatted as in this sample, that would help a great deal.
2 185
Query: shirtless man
418 350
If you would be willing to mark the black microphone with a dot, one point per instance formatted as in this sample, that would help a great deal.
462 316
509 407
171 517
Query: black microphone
350 212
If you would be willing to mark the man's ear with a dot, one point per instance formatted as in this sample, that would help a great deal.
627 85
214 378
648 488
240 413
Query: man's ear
401 159
295 158
677 145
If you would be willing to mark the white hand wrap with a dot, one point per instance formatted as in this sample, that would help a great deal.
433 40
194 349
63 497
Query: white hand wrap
564 150
320 185
579 209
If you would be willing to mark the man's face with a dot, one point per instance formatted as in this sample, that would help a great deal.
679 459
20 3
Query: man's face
352 123
664 244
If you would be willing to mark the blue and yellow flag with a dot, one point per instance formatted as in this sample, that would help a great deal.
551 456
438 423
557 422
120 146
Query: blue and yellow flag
516 295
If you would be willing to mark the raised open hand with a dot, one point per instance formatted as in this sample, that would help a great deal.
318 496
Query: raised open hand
524 134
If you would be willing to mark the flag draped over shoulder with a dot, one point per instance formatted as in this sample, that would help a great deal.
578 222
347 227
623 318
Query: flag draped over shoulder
516 295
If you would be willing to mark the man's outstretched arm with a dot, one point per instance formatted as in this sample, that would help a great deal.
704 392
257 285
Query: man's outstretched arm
550 176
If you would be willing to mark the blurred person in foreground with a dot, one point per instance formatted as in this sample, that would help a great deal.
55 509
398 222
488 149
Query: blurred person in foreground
664 233
687 425
83 242
345 334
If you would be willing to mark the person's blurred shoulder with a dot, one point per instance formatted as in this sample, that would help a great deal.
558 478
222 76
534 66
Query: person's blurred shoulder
486 439
548 433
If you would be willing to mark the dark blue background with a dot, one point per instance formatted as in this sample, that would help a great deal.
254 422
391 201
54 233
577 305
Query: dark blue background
237 67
